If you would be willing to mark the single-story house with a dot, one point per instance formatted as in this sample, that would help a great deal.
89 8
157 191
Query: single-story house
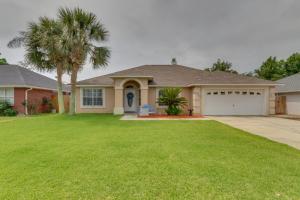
19 85
208 93
290 90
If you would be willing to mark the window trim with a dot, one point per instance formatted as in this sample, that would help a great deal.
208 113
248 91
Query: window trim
157 96
6 97
103 97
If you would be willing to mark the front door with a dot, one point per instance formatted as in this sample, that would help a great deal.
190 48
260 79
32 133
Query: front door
130 100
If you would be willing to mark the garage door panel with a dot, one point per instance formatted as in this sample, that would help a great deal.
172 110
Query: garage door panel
234 102
293 104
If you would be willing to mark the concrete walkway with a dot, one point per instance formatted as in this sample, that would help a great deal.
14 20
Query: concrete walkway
281 130
127 117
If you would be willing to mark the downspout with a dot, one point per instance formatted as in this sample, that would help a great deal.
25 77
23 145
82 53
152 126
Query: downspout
26 100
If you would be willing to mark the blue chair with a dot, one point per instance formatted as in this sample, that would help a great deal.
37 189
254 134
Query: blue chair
147 108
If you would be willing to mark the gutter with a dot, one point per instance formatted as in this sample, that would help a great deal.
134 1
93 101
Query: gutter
239 84
26 100
30 86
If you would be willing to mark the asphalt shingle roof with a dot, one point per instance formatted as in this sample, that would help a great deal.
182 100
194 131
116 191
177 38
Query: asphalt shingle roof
14 75
289 84
177 75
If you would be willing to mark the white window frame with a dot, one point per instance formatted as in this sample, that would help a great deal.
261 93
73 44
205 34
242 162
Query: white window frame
156 99
92 106
8 97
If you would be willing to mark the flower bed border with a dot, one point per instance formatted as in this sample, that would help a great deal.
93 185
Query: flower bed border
171 116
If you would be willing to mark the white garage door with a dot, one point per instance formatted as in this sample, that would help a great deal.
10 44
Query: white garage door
293 104
234 102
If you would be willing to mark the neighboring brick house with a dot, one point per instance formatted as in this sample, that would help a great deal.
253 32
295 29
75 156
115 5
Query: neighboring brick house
19 85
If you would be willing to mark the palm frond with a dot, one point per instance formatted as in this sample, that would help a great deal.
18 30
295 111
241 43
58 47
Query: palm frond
99 56
17 41
171 98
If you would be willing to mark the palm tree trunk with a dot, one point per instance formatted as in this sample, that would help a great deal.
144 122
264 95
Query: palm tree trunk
60 96
73 90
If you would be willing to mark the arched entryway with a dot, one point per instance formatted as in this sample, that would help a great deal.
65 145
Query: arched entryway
132 96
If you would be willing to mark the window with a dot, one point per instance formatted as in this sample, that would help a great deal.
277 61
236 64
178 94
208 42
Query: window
209 93
7 94
92 97
215 93
251 93
237 92
229 92
244 93
160 93
222 93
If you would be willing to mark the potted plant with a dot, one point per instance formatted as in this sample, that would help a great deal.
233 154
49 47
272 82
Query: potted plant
170 97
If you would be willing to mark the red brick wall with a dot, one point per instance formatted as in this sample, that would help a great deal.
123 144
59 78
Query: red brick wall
35 96
19 95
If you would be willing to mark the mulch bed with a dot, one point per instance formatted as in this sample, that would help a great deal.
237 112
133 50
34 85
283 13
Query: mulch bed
171 116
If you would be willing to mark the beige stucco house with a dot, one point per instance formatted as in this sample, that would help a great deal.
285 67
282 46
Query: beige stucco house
208 93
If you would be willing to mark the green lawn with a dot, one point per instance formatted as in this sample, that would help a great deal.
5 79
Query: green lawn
101 157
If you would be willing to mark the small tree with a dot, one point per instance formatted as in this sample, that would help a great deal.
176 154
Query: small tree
271 69
292 64
170 97
174 61
222 65
3 61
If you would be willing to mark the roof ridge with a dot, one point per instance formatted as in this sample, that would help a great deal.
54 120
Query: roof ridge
111 74
178 75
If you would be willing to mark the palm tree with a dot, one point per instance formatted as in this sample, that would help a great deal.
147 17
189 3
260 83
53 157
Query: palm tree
82 29
171 98
43 44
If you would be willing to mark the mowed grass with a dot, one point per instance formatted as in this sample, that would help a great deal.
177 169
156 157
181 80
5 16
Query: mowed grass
101 157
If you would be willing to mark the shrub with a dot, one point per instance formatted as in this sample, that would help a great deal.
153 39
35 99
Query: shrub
170 97
173 110
6 109
46 105
10 112
31 107
3 106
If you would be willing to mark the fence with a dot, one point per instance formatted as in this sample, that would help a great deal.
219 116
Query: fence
280 107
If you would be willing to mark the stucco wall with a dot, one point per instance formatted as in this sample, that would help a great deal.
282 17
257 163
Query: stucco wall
271 102
108 107
193 95
292 102
152 97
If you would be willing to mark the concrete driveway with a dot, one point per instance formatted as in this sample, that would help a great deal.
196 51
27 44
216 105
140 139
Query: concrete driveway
281 130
